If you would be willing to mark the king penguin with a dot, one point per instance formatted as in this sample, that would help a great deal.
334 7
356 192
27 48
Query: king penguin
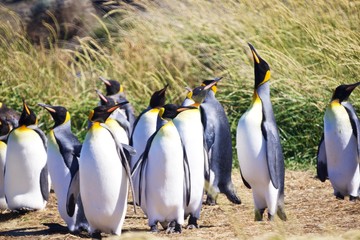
116 91
116 121
27 182
144 127
259 149
188 123
4 132
104 175
63 153
219 146
164 175
339 149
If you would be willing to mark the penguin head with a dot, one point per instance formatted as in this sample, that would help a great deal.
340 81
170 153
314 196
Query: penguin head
27 116
58 113
158 98
101 113
261 68
5 128
112 86
214 87
104 100
168 111
198 94
343 92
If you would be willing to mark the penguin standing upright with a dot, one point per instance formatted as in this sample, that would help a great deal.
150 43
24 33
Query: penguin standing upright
259 149
188 123
63 153
116 121
219 146
339 149
4 132
163 184
26 175
116 91
104 174
144 127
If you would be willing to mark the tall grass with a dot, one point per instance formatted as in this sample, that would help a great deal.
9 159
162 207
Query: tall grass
310 46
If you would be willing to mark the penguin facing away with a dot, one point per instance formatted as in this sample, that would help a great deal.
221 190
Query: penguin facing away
144 126
164 176
115 91
219 146
4 132
259 149
104 174
26 154
116 121
63 153
339 149
188 123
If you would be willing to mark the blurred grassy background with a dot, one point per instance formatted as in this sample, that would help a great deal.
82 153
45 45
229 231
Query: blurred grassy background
311 47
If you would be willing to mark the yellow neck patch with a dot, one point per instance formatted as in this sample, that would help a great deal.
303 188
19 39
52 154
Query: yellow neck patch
91 114
335 103
67 118
121 89
189 95
256 98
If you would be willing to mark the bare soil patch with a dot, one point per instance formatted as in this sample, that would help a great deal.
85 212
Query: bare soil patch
313 212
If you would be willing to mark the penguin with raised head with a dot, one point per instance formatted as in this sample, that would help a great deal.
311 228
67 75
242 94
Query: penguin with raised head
117 121
144 127
259 149
219 146
63 153
116 91
4 132
9 115
27 182
164 175
339 149
188 123
104 174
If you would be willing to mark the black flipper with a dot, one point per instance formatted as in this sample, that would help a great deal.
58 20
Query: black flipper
244 181
321 166
354 120
44 183
187 176
73 194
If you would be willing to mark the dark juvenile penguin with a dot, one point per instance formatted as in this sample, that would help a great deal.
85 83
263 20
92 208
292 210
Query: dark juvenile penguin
339 149
9 115
259 149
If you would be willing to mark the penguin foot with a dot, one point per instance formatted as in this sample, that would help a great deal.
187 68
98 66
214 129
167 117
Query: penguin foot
210 200
96 235
353 199
231 195
192 223
339 196
154 228
173 227
281 213
270 217
259 214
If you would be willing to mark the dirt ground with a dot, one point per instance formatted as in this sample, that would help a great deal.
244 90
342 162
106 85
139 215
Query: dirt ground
312 210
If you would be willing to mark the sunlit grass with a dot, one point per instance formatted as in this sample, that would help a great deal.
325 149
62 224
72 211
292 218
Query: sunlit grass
311 47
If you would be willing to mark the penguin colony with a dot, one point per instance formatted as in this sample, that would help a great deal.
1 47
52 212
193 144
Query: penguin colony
165 157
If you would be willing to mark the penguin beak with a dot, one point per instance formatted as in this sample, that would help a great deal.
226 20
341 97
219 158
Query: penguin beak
47 107
261 68
254 53
164 89
215 81
26 107
105 81
101 96
352 87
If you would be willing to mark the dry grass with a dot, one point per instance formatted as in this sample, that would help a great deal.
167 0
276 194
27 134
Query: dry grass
313 213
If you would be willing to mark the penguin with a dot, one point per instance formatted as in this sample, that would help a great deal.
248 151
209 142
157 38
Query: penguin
27 182
339 149
104 175
188 123
9 115
4 132
259 149
164 175
116 120
219 146
116 91
63 154
144 127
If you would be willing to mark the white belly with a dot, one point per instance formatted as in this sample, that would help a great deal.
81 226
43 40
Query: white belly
25 158
3 147
341 151
118 130
165 178
191 131
251 151
103 182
